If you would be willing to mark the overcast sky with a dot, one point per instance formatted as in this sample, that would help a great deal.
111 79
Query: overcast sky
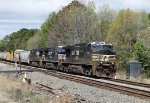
17 14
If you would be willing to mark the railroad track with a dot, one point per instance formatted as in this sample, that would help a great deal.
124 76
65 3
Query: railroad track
143 94
108 86
108 79
129 82
42 86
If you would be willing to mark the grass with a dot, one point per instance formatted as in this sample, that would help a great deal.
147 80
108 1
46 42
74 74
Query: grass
21 96
16 94
64 99
37 99
122 75
3 102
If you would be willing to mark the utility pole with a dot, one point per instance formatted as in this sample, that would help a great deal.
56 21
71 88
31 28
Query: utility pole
20 62
149 18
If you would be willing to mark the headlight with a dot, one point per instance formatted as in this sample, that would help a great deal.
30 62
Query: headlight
113 62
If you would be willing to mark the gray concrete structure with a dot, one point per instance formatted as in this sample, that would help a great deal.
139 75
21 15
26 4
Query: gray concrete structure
133 70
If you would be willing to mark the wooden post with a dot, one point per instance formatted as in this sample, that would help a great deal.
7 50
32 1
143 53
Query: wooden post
20 62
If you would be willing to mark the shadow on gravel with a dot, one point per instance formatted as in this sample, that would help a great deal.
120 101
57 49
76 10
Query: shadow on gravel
14 71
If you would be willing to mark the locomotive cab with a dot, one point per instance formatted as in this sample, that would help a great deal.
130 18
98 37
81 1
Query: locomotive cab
103 59
61 53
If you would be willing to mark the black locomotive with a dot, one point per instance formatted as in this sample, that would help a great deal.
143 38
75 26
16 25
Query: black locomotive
94 58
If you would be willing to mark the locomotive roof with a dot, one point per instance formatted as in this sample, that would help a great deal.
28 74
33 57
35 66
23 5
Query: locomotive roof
42 49
81 45
75 46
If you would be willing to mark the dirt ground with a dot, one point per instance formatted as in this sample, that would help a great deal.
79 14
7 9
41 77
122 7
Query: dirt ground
122 75
7 84
13 90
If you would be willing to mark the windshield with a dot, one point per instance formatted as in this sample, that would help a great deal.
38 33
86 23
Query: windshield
60 50
98 47
105 49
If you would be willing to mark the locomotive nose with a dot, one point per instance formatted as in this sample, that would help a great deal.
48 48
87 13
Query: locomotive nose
109 58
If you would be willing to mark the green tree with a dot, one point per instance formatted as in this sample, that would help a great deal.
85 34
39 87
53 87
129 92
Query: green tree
105 17
75 23
142 53
144 36
123 34
17 40
45 29
2 45
34 41
144 20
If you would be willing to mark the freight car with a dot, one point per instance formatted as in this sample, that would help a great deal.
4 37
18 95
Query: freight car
1 55
24 57
15 55
8 56
95 58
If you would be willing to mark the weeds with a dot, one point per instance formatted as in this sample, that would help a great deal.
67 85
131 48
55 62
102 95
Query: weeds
64 99
3 102
37 99
21 96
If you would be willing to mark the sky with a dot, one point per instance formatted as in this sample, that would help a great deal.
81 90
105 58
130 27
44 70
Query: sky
17 14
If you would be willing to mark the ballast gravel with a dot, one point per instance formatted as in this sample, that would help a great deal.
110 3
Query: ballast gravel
87 92
80 93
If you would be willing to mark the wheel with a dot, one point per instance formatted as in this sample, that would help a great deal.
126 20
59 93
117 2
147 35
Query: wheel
88 72
44 66
60 68
30 63
111 75
67 70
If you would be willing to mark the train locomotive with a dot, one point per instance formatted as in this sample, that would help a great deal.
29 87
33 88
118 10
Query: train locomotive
94 58
91 58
